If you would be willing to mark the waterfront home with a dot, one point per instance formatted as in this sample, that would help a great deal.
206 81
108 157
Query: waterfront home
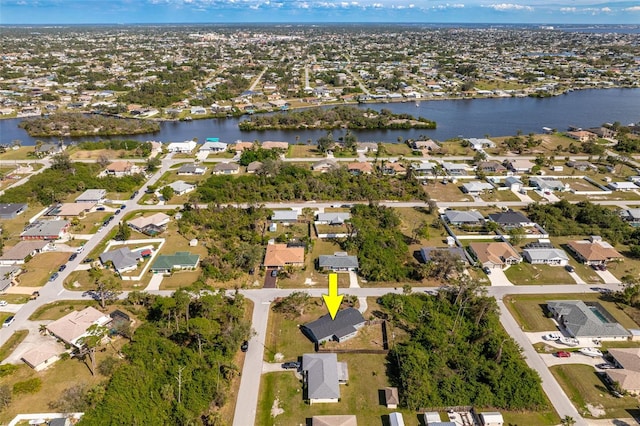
213 147
581 135
594 251
481 143
275 145
185 147
428 145
495 255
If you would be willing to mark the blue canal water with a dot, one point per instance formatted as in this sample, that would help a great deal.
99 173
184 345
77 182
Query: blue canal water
466 118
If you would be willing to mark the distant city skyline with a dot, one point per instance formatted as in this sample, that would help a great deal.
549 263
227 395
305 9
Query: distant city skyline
318 11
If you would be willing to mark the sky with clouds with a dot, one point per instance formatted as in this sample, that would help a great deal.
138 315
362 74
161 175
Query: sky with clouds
222 11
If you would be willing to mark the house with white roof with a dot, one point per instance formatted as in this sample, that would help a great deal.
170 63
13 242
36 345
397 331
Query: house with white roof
481 143
181 187
213 147
182 147
623 186
476 187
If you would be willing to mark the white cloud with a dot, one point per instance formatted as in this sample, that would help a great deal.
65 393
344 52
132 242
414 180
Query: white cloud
568 9
632 9
501 7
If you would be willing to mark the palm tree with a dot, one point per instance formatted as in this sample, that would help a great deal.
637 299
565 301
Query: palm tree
568 421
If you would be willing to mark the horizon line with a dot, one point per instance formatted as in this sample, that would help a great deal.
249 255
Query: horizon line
319 23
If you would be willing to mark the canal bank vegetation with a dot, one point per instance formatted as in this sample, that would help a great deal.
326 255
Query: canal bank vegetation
458 353
68 124
278 181
347 117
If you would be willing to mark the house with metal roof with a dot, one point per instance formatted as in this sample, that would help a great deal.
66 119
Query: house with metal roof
476 187
343 327
165 263
545 256
46 230
589 321
181 187
322 377
192 169
92 196
333 218
284 216
338 262
11 210
123 259
461 217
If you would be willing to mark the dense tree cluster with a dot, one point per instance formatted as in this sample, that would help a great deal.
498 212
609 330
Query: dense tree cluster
169 87
381 247
458 354
137 148
338 117
233 237
66 124
63 178
178 366
288 182
257 154
583 218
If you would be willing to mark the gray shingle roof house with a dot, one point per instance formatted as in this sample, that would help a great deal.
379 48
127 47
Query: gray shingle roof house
457 217
476 187
338 261
192 169
226 169
549 184
344 327
322 377
11 210
510 219
45 230
284 216
123 259
581 320
181 187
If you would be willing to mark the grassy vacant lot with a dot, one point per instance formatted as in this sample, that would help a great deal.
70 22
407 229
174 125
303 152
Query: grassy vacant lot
21 153
445 192
367 374
585 388
496 196
57 310
12 343
529 310
15 298
303 151
179 279
13 227
39 269
525 273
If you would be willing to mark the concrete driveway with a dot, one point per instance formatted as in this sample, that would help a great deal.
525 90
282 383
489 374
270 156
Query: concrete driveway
575 358
608 277
498 278
577 278
33 340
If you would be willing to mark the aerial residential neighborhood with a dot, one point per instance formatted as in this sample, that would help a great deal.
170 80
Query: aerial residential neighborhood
296 276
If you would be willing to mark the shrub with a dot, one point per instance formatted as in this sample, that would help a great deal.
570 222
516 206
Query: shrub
27 386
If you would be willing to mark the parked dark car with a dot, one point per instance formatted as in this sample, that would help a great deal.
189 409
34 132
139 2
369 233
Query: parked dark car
53 276
606 366
245 346
73 257
117 211
570 268
62 268
291 365
88 260
486 270
122 207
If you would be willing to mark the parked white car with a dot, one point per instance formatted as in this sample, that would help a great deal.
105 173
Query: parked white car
552 337
3 303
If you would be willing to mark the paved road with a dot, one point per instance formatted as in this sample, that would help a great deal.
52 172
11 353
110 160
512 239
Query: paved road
556 395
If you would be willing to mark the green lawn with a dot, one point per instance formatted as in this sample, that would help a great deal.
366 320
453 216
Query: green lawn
584 386
525 273
497 196
529 310
359 396
12 343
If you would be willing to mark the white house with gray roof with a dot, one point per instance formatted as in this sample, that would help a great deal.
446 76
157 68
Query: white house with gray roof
335 218
284 216
461 217
92 196
323 375
547 184
545 256
340 261
476 187
586 321
123 259
630 215
181 187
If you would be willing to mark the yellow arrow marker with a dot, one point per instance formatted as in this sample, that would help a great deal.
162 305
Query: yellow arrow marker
333 299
